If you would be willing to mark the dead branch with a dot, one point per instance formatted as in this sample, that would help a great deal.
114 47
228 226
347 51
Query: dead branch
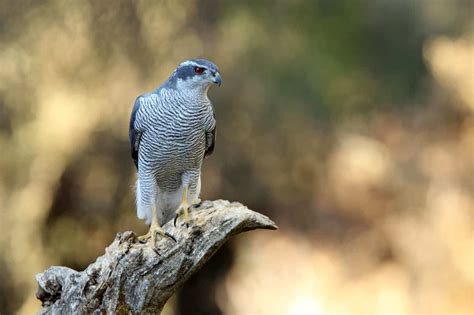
134 278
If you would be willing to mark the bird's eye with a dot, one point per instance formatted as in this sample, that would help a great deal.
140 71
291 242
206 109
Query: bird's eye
199 70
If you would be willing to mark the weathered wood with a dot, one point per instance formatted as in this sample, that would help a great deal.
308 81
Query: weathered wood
134 278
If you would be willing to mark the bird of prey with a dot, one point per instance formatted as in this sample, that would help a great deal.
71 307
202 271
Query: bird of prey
171 130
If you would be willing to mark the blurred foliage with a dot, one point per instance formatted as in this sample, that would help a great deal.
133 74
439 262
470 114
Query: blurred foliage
349 122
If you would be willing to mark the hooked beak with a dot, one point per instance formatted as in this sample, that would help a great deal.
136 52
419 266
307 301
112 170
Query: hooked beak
217 79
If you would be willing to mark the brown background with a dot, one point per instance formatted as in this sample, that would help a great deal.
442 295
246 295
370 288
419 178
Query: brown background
350 123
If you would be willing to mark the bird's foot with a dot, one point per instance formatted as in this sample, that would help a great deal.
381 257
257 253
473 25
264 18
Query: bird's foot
184 207
152 233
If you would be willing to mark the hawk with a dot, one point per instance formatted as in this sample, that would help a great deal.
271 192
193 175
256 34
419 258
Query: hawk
171 130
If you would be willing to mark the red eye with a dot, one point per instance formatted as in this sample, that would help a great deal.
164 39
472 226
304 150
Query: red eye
199 70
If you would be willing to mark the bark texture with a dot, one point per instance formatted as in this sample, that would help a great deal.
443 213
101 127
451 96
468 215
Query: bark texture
135 278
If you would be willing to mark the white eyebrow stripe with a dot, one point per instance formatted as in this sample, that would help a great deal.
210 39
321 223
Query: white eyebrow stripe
192 63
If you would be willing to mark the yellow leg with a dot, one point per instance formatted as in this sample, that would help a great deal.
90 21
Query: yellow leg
155 228
183 207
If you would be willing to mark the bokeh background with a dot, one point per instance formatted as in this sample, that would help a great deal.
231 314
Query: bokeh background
350 123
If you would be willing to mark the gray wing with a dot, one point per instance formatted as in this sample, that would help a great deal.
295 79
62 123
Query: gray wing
134 134
211 136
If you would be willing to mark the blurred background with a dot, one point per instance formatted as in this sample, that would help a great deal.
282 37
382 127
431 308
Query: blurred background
349 123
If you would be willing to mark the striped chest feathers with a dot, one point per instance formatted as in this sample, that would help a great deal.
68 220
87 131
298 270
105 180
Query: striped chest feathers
177 114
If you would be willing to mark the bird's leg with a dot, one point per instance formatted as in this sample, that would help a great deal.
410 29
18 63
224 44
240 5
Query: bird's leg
183 207
155 228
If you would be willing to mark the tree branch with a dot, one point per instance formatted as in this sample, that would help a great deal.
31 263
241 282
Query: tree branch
133 278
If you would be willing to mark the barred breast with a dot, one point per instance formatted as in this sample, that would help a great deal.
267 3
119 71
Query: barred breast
174 141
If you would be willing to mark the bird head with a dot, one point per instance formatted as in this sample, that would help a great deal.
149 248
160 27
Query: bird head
196 74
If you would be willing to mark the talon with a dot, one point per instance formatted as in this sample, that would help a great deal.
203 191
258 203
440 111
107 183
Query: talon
142 241
171 237
168 235
176 217
144 238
